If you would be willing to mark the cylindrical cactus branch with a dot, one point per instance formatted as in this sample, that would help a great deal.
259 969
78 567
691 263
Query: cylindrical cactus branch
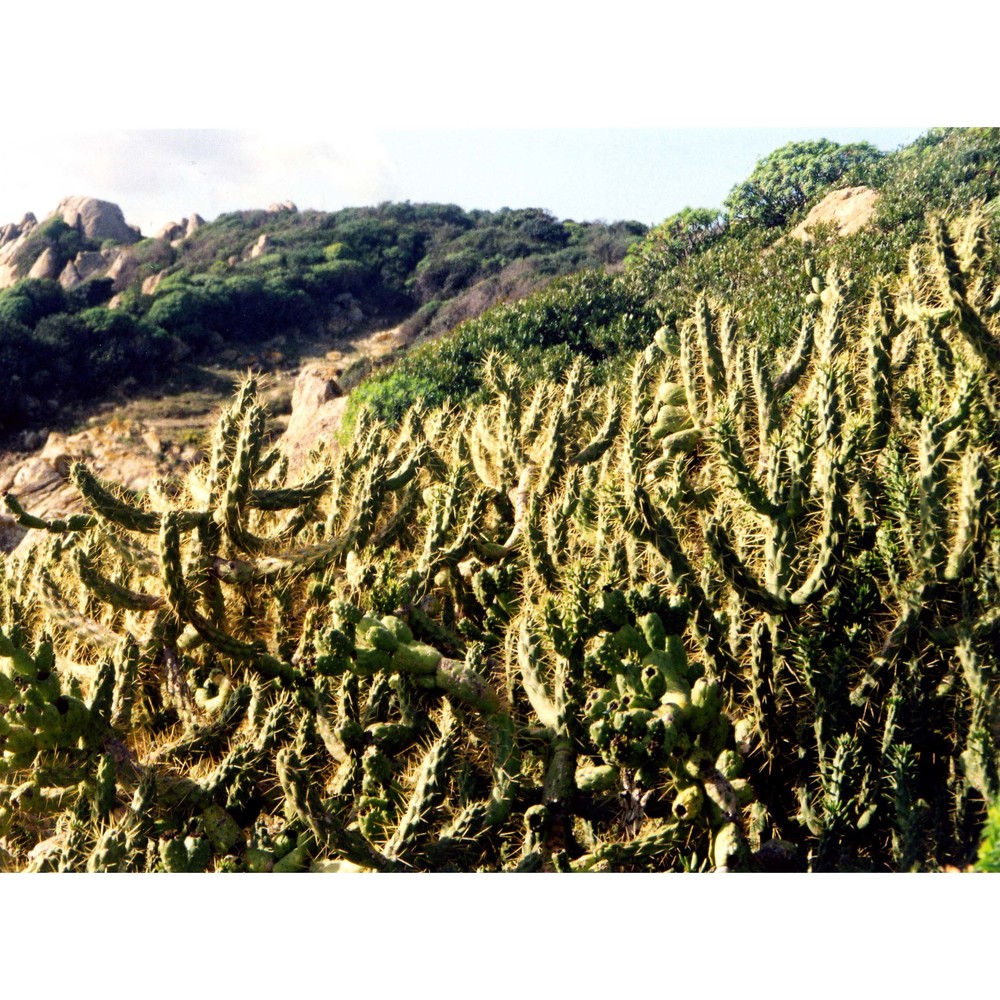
798 360
713 363
880 336
641 569
952 290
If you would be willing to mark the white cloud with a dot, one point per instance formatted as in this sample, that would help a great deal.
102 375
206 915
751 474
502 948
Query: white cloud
163 174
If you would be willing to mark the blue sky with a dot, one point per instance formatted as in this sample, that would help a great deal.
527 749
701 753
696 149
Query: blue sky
158 175
644 174
629 111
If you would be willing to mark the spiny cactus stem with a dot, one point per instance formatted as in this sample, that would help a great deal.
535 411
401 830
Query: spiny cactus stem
650 526
767 412
111 592
121 513
985 627
653 842
906 623
78 522
531 665
291 497
690 376
428 794
302 795
832 538
732 453
252 655
799 360
753 592
604 438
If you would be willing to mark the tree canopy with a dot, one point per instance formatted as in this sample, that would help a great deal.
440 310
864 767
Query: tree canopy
783 182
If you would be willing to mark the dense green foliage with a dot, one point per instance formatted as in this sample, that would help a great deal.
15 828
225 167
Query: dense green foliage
434 264
736 612
391 257
594 315
673 241
791 176
736 256
57 348
989 849
760 274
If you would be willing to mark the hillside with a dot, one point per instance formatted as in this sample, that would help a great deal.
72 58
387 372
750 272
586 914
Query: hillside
740 255
160 329
102 329
89 304
691 564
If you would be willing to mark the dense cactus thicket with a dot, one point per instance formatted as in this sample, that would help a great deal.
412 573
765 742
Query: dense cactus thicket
739 614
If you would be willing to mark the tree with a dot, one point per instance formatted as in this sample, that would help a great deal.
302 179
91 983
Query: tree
784 181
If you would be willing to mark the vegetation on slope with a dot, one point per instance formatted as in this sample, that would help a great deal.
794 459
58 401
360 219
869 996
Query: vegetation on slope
736 612
438 267
741 256
429 264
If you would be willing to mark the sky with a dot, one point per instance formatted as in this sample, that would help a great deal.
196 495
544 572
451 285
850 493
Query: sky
630 111
162 175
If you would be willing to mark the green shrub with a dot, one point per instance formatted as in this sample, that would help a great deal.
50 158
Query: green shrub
592 314
989 850
791 176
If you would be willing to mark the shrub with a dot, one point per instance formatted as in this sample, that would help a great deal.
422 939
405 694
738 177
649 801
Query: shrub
788 178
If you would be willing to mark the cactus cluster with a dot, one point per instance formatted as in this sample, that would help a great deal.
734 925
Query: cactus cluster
730 615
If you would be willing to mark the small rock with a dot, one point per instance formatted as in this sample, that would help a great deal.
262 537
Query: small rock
170 231
70 276
261 247
46 266
152 442
150 284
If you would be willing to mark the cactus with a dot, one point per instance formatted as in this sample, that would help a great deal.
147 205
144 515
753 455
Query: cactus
731 604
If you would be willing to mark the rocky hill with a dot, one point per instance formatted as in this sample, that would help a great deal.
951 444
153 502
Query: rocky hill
95 309
90 309
24 254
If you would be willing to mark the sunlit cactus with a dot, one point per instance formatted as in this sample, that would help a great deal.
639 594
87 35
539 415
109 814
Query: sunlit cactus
725 603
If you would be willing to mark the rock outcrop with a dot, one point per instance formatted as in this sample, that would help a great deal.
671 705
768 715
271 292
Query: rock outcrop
848 210
128 452
170 231
261 247
15 230
87 264
46 266
123 270
318 405
96 219
69 276
150 284
174 232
